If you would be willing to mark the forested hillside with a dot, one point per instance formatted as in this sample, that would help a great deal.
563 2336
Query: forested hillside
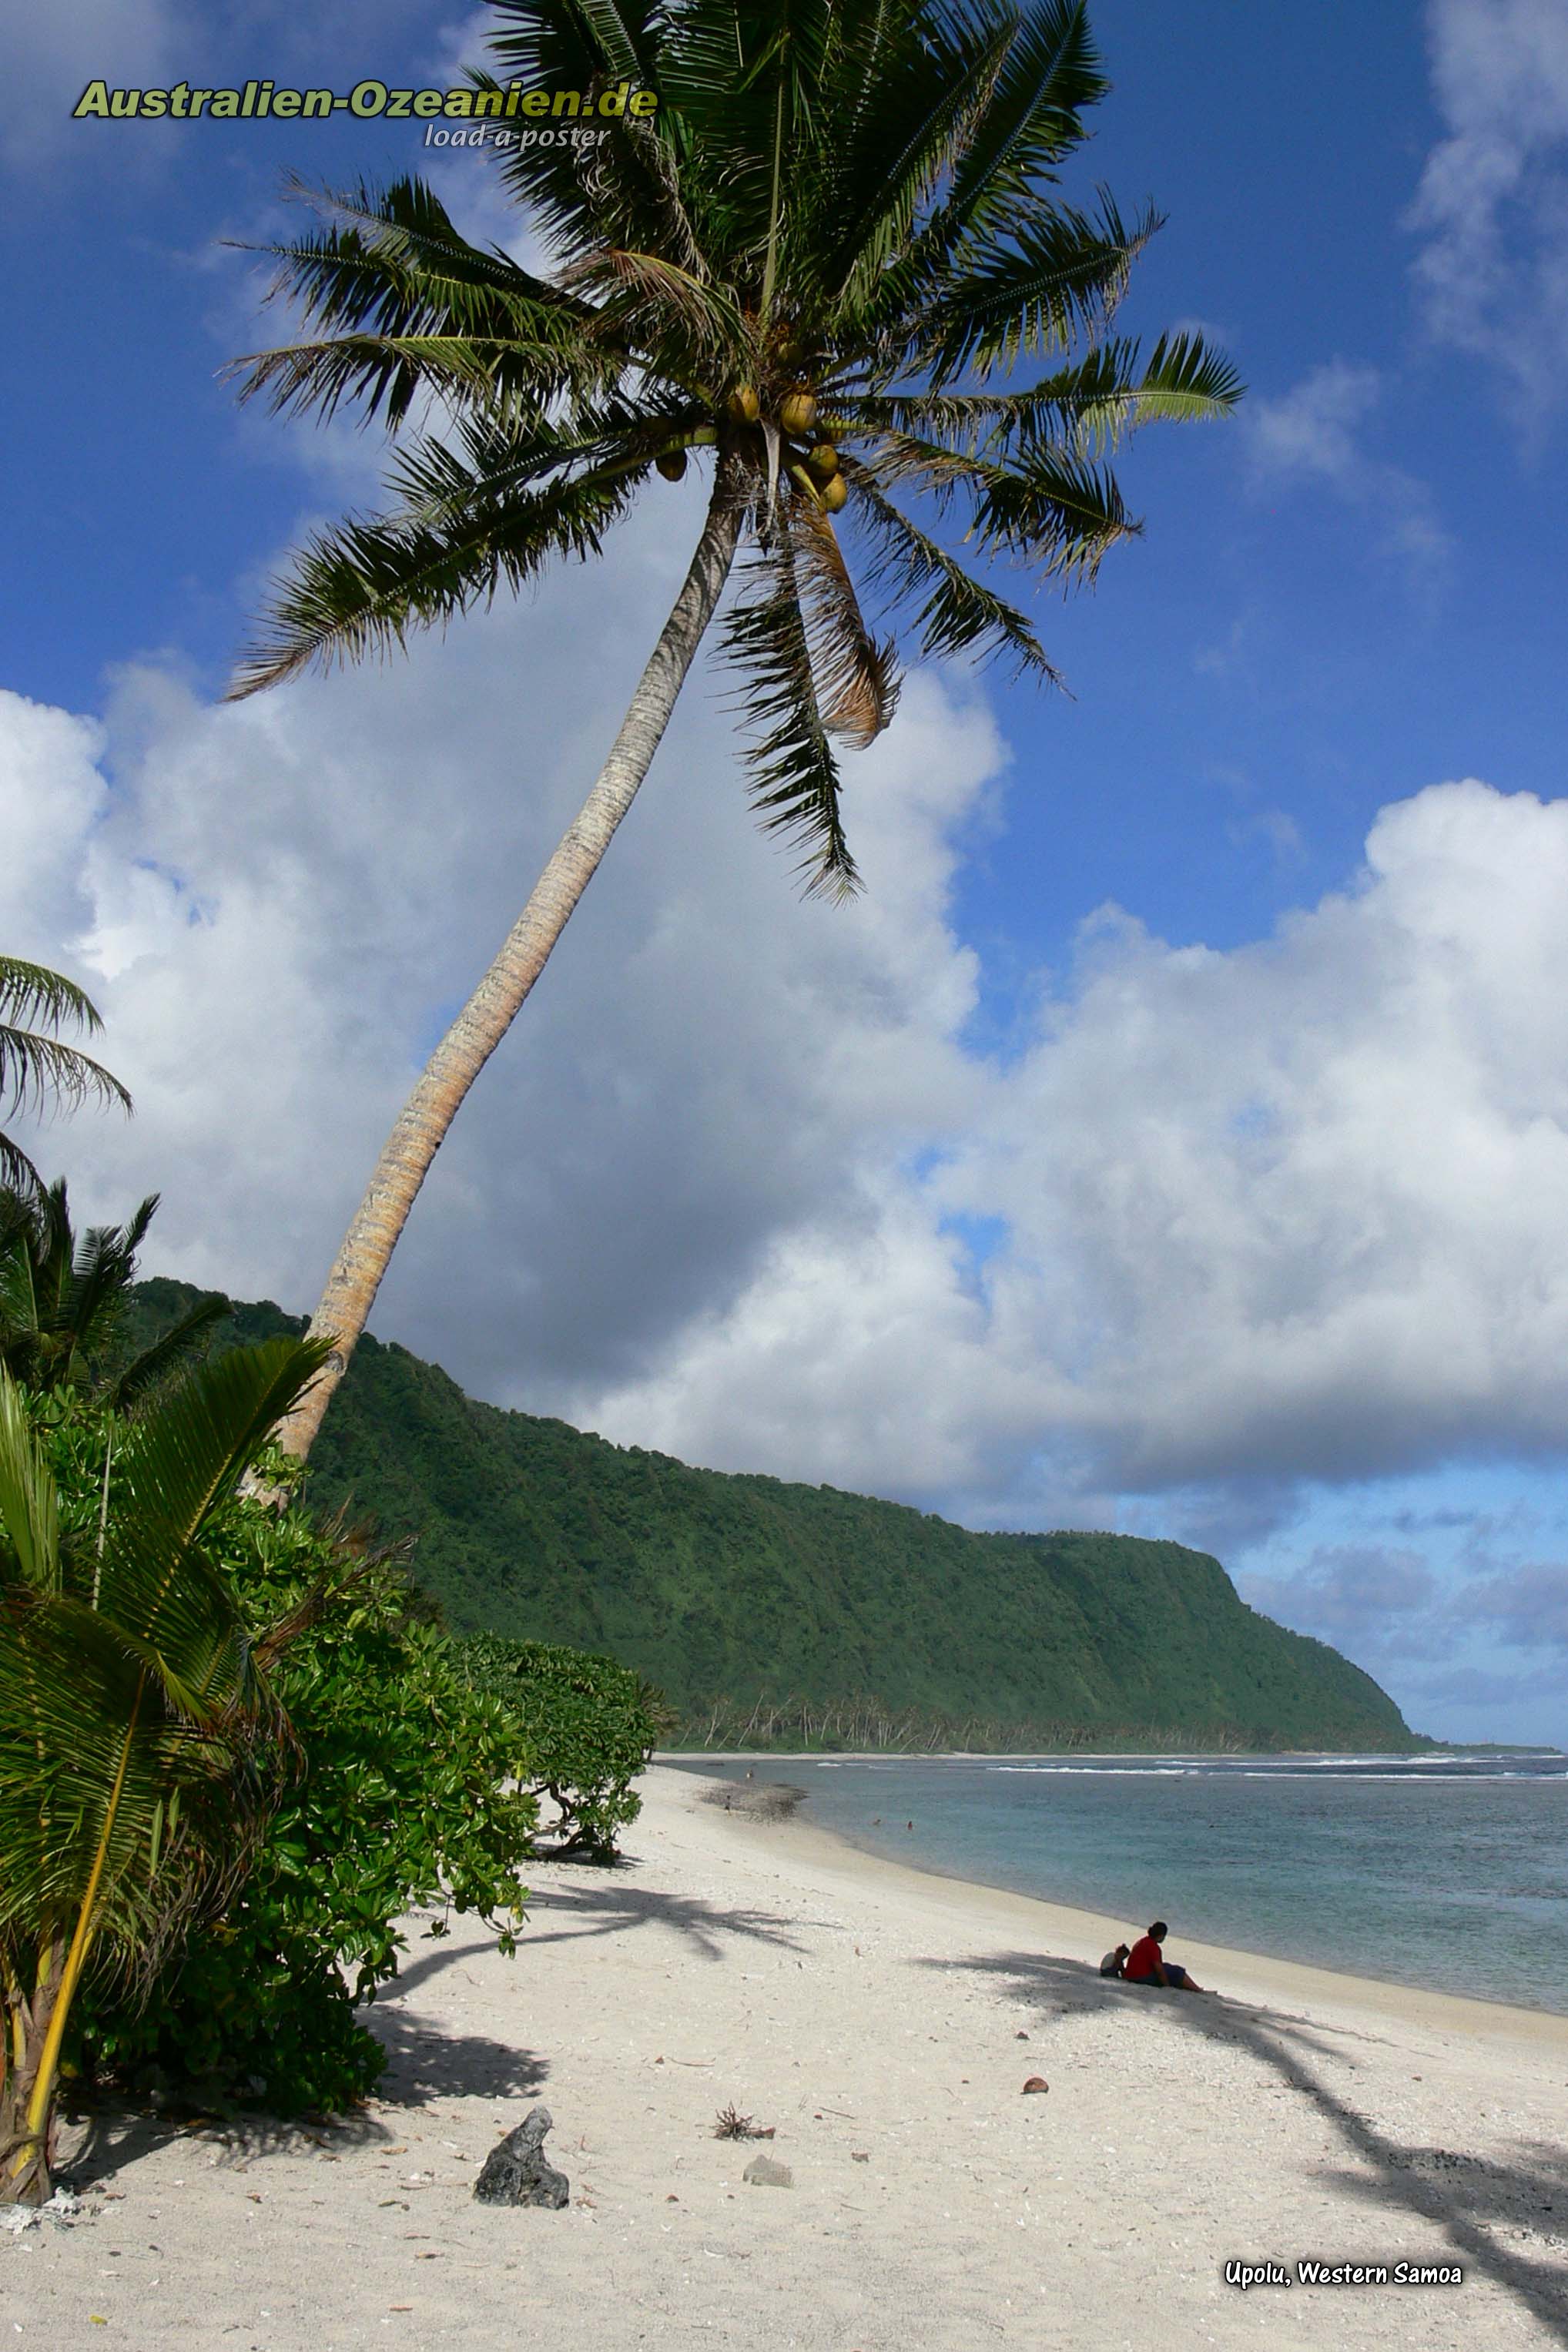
725 1588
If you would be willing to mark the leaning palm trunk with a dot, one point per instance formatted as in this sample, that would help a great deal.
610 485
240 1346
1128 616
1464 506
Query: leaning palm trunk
421 1125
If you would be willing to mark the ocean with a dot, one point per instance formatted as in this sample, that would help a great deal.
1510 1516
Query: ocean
1445 1869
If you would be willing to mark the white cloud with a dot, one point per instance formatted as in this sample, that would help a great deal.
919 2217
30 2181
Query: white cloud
735 1186
1287 1211
1313 434
1492 205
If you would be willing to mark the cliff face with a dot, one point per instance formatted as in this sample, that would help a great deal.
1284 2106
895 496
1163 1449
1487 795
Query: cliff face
718 1586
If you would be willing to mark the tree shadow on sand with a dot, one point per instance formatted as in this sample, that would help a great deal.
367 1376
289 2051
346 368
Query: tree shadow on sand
102 2142
1471 2199
423 2065
609 1907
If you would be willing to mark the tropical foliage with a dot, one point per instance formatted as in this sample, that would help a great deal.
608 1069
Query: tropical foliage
587 1728
835 258
403 1796
137 1729
61 1300
37 1066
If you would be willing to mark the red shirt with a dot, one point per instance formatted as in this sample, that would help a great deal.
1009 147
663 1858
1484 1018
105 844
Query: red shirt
1142 1961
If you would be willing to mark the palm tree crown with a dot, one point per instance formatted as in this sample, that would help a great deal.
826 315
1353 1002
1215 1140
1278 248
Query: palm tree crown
824 256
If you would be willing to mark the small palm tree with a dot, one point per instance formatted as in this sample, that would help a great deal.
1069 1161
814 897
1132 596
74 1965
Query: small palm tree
822 261
135 1712
62 1300
36 1063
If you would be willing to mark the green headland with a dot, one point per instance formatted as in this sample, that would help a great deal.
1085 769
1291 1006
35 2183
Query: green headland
771 1613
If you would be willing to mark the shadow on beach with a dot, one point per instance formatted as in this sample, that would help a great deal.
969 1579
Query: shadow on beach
613 1908
99 2145
1471 2199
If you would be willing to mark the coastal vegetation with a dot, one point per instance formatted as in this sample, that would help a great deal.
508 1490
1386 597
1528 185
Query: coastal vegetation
138 1724
820 266
237 1745
587 1728
731 1590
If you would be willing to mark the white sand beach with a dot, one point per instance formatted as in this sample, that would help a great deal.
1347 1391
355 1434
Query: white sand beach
872 2015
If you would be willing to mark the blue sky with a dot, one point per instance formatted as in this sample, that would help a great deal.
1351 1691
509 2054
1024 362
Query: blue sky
1104 1173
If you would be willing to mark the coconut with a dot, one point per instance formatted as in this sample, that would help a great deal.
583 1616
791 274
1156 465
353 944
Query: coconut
823 461
797 412
836 494
744 407
671 464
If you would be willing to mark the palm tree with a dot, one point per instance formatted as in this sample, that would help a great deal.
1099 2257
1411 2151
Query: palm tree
134 1713
62 1300
35 1063
822 261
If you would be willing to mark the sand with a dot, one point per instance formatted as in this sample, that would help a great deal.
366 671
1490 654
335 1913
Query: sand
872 2015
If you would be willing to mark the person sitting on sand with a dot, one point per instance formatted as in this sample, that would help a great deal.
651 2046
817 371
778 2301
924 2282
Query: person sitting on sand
1146 1964
1115 1962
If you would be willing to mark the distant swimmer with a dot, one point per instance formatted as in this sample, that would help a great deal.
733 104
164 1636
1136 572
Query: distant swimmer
1146 1964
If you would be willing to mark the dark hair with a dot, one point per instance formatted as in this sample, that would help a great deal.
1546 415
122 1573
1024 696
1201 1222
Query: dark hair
1159 1930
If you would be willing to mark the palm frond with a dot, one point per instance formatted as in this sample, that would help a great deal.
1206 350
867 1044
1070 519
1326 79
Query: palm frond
1032 118
31 991
1094 404
35 1066
1058 275
793 777
856 674
364 586
184 1455
406 304
953 612
168 1353
29 1510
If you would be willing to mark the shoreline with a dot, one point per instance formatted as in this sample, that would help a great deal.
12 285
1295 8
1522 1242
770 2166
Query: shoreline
1390 1995
882 2026
1261 1971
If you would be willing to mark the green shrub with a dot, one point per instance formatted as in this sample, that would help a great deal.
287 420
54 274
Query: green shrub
586 1728
402 1790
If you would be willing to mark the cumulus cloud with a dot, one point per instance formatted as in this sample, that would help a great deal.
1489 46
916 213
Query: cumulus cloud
739 1184
1492 205
1283 1213
1313 434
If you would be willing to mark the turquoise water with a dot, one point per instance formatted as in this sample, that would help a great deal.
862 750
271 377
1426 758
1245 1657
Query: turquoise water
1448 1871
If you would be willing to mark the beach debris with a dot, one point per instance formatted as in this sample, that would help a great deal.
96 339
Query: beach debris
515 2172
62 2209
1020 2035
1035 2082
859 2156
763 2172
729 2123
